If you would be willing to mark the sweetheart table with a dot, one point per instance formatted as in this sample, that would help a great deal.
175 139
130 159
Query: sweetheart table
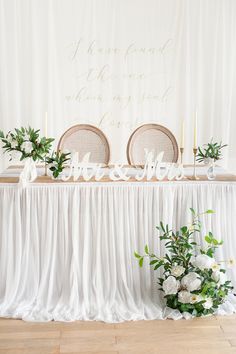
67 249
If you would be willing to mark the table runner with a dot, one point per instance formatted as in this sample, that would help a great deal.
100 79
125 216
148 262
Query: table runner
66 249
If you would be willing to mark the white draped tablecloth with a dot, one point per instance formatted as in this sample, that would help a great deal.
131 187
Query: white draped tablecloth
67 249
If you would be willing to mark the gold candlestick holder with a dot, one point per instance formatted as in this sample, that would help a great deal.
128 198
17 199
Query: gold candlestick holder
181 155
194 177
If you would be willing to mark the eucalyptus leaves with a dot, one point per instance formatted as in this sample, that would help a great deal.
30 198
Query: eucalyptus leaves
192 281
26 143
210 151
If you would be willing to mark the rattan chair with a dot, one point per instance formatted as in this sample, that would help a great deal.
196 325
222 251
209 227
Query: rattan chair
152 137
86 138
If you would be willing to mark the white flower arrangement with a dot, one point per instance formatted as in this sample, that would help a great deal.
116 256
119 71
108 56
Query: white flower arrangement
26 143
195 284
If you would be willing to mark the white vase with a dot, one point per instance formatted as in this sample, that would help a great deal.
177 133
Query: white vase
29 172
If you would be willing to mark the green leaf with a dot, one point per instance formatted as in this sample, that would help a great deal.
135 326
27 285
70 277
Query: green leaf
154 262
208 239
135 253
210 211
162 226
146 249
158 265
215 242
193 211
141 262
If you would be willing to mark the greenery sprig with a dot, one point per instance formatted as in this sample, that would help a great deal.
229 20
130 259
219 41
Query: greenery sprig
210 151
26 142
57 162
192 280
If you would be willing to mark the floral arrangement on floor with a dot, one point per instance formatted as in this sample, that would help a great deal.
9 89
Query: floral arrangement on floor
210 151
192 281
26 143
57 162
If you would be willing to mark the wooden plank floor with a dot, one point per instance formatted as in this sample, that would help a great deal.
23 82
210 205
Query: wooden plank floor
211 335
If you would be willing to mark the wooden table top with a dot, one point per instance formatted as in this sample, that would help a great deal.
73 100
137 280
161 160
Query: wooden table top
227 177
47 179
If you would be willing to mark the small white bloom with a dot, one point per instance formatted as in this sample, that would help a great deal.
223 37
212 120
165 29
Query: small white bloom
191 281
67 151
14 144
231 262
170 285
27 146
191 228
184 297
9 138
215 266
177 270
208 303
195 298
202 261
27 137
219 277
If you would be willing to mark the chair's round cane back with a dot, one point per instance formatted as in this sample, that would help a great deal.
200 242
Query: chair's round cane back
153 137
86 138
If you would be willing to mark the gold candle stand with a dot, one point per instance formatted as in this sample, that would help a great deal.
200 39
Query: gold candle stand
181 155
194 177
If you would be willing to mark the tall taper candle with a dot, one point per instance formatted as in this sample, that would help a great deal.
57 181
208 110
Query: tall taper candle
46 135
46 124
195 132
182 135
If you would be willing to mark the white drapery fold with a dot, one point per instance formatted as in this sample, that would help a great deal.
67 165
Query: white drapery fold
67 251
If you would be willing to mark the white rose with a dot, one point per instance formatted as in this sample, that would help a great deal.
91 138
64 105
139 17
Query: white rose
27 146
16 155
219 277
170 285
177 270
184 297
195 298
208 303
191 281
202 261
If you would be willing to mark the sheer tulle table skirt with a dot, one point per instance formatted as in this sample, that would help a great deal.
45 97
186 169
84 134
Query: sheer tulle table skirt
67 250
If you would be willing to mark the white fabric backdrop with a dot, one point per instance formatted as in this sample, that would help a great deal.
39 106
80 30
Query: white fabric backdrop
118 64
67 250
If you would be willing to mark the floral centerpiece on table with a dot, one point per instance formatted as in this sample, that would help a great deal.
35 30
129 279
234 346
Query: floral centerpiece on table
57 162
193 281
210 151
26 143
209 154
